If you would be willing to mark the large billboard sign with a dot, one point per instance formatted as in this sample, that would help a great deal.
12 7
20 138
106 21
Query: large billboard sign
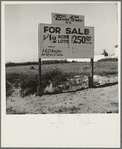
61 41
67 19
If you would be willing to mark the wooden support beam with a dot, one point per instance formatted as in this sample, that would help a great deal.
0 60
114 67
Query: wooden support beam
92 73
40 89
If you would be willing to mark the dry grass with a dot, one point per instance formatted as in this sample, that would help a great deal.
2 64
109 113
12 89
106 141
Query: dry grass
28 77
74 68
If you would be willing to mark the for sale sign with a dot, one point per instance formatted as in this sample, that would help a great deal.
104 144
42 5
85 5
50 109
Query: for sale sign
59 41
67 19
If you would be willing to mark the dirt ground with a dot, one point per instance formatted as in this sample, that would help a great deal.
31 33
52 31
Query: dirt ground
102 99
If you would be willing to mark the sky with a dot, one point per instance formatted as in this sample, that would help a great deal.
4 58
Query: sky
21 26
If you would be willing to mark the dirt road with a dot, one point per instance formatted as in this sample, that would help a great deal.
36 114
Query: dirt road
102 99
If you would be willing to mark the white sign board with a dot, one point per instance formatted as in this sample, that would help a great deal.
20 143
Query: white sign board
59 41
67 19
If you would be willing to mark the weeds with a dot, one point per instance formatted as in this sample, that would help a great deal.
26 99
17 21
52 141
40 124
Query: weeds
9 88
56 75
10 110
27 79
29 82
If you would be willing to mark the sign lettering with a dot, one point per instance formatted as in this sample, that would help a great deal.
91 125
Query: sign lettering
65 42
67 19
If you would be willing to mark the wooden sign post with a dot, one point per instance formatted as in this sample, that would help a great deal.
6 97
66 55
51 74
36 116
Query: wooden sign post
40 88
91 77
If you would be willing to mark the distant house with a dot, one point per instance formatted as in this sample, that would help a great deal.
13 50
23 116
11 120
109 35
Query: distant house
105 53
116 50
116 46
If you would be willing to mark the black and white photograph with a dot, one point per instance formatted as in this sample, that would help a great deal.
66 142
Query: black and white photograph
59 62
61 58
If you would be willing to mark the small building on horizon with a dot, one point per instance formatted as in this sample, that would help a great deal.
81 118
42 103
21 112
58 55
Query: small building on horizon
116 50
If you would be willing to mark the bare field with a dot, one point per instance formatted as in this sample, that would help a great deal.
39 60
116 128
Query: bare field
74 68
96 100
100 99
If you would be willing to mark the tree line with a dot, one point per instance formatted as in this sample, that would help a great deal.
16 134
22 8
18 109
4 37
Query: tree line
36 63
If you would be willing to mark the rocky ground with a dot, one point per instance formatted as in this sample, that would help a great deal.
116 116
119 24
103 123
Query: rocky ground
69 97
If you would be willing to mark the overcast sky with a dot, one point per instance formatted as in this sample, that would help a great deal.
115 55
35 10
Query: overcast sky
21 26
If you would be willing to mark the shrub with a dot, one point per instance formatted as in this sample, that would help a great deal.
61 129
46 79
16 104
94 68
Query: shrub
54 75
32 68
29 82
9 88
13 78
